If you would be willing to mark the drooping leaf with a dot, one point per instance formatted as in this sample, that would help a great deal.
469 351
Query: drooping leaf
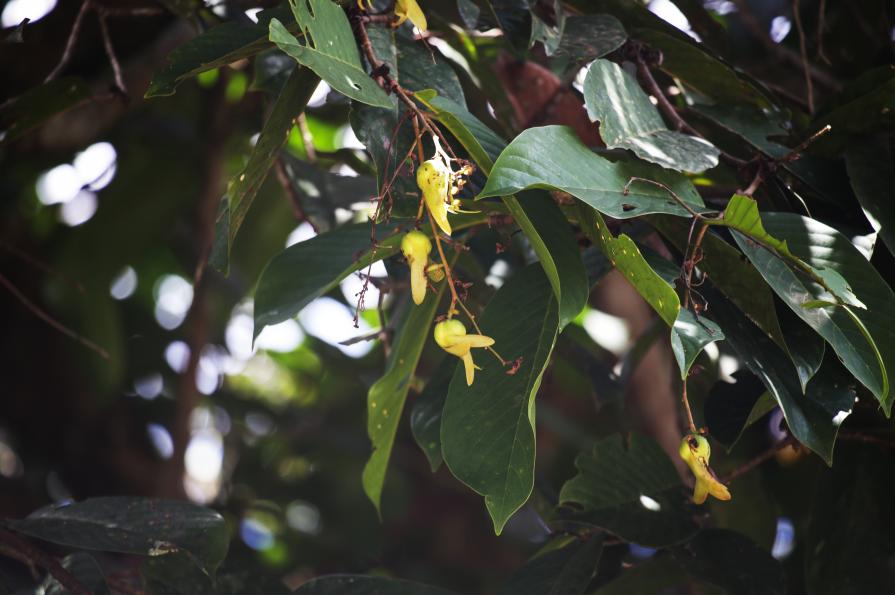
487 429
34 107
219 46
591 36
872 173
425 416
629 121
329 49
142 526
567 570
689 336
360 584
633 492
243 188
385 400
554 158
624 255
813 418
826 249
539 217
721 557
805 347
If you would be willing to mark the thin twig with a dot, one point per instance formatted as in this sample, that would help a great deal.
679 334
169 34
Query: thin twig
110 52
294 199
43 315
306 138
821 25
686 403
866 439
45 561
758 460
70 42
803 50
39 264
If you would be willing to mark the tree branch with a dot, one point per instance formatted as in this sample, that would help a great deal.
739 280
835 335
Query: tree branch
45 561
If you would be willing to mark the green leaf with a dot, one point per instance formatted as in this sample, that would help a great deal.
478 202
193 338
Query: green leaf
419 69
307 270
175 573
689 336
731 273
634 492
564 571
425 417
554 158
872 173
359 584
865 107
85 569
591 36
36 106
629 121
702 70
545 33
219 46
329 50
624 255
487 429
537 214
321 191
142 526
385 400
720 557
813 418
243 188
805 347
826 250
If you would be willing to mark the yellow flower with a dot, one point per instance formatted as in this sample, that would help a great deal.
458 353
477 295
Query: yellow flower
695 451
434 180
416 247
409 9
451 336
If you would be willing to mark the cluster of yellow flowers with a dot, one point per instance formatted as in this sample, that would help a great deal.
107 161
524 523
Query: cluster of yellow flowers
696 451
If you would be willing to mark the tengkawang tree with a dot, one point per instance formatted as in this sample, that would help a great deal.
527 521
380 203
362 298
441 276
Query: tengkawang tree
480 183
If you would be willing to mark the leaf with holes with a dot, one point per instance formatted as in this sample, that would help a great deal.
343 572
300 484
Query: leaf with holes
329 50
629 121
487 429
554 158
385 400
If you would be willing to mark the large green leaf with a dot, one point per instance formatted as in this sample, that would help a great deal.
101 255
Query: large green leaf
243 188
624 255
629 121
539 217
219 46
567 570
143 526
360 584
871 168
34 107
720 556
487 429
425 417
591 36
554 158
329 50
633 492
309 269
825 249
813 418
385 400
689 336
